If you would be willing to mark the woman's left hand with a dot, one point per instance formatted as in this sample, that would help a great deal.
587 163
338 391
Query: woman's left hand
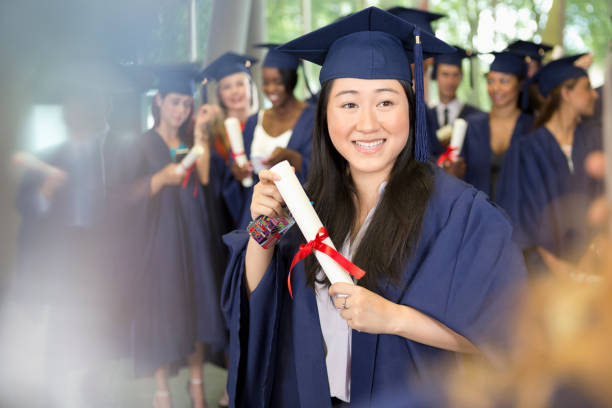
280 153
363 309
204 116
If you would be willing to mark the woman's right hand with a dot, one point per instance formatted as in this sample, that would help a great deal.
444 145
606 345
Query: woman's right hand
240 173
267 200
167 176
455 168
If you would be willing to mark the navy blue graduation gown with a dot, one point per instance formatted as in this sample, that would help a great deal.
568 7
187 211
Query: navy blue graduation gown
238 198
462 272
170 255
545 201
435 147
477 148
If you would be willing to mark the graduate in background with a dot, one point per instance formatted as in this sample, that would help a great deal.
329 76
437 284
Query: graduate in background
490 135
533 53
236 95
427 296
283 132
543 185
447 71
169 247
61 268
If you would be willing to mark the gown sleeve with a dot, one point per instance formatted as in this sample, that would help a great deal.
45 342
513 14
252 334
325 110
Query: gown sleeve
470 272
253 322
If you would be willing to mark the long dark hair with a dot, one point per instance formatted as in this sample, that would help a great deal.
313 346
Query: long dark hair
396 224
185 131
289 78
552 103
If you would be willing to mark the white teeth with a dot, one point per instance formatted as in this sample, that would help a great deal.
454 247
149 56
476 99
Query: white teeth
369 144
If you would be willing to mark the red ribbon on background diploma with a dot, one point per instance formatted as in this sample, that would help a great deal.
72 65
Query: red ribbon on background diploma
447 155
186 179
317 243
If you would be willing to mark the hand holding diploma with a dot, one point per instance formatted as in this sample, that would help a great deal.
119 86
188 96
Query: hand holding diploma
193 155
308 221
234 133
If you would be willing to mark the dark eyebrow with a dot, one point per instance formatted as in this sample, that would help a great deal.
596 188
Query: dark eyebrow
386 90
353 92
348 91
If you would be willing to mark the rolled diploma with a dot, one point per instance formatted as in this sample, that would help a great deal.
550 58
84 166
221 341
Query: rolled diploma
458 137
307 219
232 126
192 156
31 162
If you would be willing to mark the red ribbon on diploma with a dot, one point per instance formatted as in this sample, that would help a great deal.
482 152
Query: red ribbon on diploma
447 155
186 179
317 243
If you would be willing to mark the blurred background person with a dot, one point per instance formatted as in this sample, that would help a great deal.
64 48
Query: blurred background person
170 252
544 186
236 95
62 273
282 132
490 135
448 73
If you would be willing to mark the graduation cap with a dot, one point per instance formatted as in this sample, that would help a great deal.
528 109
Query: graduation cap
529 49
455 58
177 78
419 18
277 59
556 72
510 63
227 64
372 44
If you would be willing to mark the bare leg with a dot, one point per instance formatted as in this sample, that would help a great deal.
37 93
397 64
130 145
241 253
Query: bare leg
224 398
162 395
196 385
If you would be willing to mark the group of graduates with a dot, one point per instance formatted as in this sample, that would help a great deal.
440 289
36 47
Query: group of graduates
116 236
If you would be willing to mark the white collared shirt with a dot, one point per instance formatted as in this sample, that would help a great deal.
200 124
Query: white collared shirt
335 330
454 109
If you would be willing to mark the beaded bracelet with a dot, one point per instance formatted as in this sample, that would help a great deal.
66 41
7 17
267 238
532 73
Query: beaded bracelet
267 231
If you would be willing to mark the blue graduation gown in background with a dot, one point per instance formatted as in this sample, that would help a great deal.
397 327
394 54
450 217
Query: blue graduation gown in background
170 256
477 148
238 198
545 201
435 147
462 273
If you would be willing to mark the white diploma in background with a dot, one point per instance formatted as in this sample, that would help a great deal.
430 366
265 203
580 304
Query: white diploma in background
232 126
458 137
187 162
307 219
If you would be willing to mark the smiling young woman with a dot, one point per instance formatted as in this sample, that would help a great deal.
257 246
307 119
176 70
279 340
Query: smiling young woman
438 277
490 135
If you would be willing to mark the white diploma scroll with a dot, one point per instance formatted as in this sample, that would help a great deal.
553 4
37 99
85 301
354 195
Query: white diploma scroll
187 162
232 126
458 137
307 219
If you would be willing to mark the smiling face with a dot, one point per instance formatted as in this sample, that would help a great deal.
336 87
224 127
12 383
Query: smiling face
174 109
273 86
503 89
368 122
235 91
